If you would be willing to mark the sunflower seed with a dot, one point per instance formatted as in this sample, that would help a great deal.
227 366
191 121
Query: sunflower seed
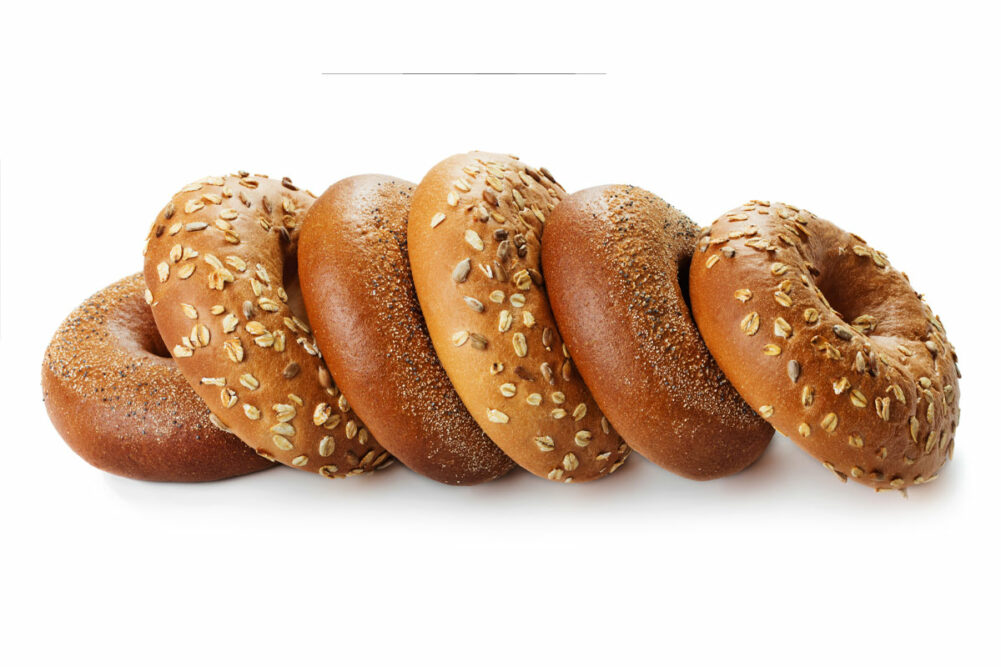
474 240
461 271
842 332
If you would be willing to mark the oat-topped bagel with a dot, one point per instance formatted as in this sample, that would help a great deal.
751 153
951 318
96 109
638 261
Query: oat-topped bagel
117 399
612 257
221 267
474 235
356 283
828 342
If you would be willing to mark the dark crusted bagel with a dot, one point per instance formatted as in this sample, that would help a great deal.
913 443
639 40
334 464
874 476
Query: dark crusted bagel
828 342
611 257
357 287
117 398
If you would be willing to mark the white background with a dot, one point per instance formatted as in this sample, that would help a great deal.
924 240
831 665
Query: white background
881 117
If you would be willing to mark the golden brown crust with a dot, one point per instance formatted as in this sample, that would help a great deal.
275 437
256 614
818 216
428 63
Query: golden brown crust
611 256
474 238
357 287
220 265
118 400
829 342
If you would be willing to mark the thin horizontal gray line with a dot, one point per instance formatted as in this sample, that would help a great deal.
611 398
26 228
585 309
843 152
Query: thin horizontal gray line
463 73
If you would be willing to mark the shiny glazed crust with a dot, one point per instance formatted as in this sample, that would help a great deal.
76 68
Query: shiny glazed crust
828 342
220 267
474 236
119 401
611 256
356 284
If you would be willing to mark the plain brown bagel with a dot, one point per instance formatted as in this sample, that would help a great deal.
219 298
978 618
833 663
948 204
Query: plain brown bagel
357 287
220 264
474 237
119 401
828 342
611 257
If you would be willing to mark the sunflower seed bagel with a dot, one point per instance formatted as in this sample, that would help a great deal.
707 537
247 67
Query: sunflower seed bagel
118 400
474 237
220 264
828 342
357 287
612 257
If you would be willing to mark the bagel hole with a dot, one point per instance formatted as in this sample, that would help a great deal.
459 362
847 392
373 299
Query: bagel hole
847 300
134 327
157 347
684 264
290 281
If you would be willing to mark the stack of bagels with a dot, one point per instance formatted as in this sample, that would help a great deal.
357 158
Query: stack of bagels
485 319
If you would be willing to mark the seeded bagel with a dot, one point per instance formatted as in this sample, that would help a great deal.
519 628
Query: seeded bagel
357 287
221 269
612 257
117 399
828 342
474 240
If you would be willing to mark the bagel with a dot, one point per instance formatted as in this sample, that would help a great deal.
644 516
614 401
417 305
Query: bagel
474 236
357 288
611 257
828 342
220 264
117 399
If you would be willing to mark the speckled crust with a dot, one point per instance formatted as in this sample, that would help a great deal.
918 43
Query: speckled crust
611 257
474 239
220 267
357 287
118 400
828 342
